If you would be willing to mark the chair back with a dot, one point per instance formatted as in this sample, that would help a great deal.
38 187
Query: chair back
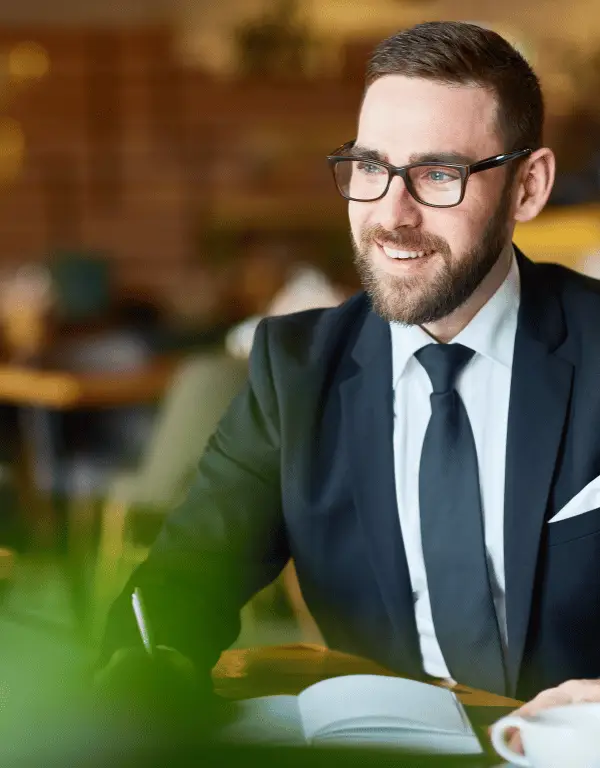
201 390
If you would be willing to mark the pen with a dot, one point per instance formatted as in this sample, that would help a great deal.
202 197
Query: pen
141 618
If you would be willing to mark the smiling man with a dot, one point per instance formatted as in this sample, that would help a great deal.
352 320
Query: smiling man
411 448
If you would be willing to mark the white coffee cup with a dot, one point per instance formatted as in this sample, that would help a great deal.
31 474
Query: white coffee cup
554 738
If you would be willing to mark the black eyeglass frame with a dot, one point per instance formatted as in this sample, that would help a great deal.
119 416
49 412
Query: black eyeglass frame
465 171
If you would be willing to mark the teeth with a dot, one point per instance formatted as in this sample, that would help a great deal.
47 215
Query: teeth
393 254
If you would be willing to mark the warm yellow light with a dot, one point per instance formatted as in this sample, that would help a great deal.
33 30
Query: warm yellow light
28 61
561 93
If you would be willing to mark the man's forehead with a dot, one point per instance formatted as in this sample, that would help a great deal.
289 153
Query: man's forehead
410 92
401 115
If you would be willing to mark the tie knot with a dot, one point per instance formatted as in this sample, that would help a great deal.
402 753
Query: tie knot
443 363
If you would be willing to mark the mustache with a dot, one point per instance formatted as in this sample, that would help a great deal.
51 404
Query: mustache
403 240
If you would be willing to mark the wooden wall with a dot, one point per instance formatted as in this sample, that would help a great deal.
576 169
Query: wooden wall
131 154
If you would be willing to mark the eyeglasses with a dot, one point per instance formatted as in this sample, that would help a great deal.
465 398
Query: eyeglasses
439 185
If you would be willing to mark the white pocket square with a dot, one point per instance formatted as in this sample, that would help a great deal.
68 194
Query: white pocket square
585 501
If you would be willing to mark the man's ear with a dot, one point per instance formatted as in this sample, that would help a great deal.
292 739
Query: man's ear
535 182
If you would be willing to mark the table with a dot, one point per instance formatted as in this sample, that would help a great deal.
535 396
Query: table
288 669
41 393
66 390
248 672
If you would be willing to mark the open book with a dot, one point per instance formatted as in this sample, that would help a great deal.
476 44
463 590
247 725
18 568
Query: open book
359 710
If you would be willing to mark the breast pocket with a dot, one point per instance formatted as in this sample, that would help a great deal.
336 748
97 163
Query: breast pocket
580 526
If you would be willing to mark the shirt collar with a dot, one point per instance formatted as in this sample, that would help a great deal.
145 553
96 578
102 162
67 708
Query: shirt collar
490 333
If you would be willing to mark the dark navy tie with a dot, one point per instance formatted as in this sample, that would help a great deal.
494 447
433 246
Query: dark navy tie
464 618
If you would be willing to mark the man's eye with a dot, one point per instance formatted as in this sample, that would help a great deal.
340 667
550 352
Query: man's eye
369 168
439 175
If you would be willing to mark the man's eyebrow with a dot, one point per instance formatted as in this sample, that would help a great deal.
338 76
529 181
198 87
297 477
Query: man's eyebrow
369 154
441 157
420 157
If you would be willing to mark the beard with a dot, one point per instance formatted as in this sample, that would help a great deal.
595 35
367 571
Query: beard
418 301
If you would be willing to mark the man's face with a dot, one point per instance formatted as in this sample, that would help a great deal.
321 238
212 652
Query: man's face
404 119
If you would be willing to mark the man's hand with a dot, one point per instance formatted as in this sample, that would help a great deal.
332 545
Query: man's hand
571 692
164 684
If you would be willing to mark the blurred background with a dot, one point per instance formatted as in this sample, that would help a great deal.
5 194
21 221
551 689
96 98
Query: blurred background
163 185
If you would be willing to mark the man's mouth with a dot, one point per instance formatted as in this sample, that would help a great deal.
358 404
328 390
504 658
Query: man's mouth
394 253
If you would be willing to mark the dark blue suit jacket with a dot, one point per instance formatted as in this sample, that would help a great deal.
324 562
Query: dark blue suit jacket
302 466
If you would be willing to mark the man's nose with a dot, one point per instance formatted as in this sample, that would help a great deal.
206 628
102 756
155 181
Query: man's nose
398 208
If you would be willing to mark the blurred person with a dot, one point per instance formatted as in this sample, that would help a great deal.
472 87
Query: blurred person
414 449
306 288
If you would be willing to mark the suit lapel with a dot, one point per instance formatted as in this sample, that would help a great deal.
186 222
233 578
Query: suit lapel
539 398
368 421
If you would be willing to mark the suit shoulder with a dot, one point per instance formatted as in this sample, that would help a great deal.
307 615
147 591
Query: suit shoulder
578 291
579 297
312 333
568 278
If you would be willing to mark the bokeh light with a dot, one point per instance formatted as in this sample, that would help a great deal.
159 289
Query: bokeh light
28 61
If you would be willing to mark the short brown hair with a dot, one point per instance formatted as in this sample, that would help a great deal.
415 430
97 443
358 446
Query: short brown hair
458 53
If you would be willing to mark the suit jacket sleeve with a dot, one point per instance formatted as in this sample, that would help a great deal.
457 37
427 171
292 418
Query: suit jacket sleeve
225 542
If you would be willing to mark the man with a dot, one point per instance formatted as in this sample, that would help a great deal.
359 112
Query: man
409 448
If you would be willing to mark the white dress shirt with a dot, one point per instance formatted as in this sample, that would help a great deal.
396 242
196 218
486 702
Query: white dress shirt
484 386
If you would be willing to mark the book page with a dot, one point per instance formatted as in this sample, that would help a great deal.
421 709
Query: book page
265 720
371 702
